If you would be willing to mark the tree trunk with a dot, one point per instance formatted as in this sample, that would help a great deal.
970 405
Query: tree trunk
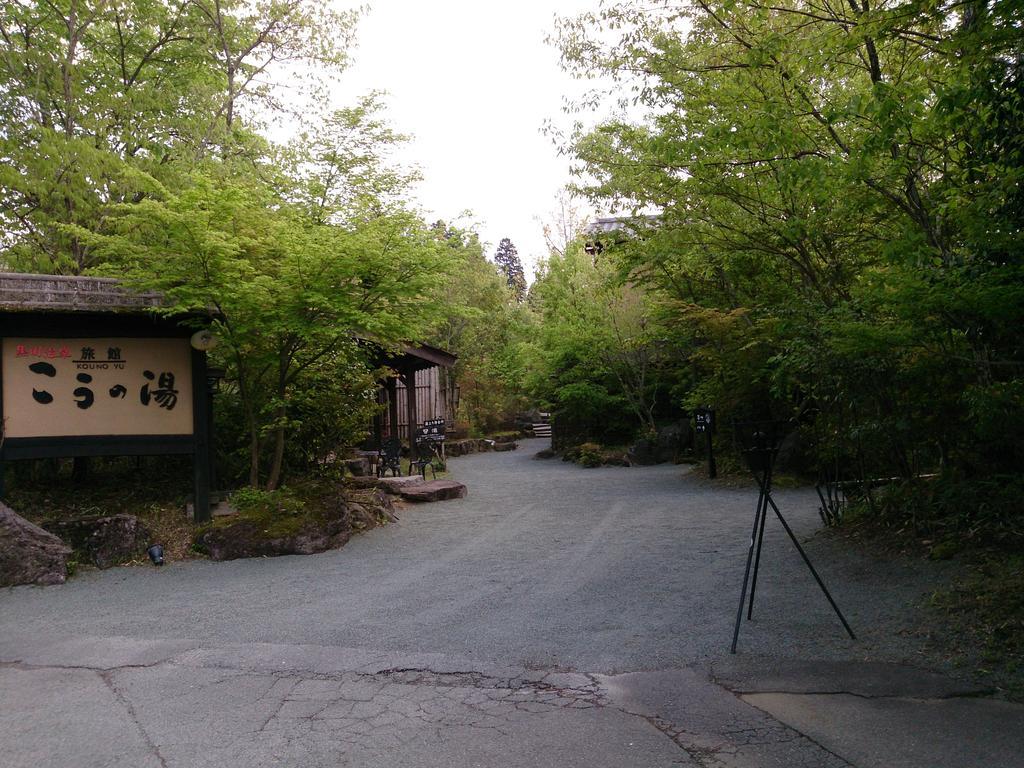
274 480
254 449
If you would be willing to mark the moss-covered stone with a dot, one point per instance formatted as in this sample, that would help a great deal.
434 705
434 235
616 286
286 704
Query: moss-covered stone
293 522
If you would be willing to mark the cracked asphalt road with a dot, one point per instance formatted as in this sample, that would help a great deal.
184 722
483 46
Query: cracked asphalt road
556 616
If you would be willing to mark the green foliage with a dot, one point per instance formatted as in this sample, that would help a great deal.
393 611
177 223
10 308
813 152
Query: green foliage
986 608
589 455
602 359
133 147
840 227
511 268
486 327
105 103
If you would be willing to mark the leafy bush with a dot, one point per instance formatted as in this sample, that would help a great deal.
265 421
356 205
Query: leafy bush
590 455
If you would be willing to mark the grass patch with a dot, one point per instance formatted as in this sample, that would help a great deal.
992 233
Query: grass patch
154 489
280 513
984 612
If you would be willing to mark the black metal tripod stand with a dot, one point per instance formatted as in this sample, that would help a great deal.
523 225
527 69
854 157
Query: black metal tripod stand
761 458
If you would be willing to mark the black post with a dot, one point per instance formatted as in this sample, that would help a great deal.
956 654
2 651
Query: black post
211 435
712 469
201 439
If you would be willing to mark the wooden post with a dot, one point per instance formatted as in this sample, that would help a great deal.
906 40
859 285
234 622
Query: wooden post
378 420
391 388
409 379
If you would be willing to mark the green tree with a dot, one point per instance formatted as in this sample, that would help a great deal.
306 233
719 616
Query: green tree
839 238
104 103
293 295
506 257
601 356
132 140
485 326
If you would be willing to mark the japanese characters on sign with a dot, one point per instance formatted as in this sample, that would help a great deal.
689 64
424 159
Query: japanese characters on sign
433 430
704 420
78 387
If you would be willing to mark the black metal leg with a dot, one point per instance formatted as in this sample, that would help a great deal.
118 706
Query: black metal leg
765 486
762 511
807 560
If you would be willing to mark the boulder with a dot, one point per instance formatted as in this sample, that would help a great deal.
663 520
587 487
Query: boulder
357 467
507 446
665 445
398 484
330 527
28 554
465 447
104 541
368 510
644 452
615 459
434 490
248 538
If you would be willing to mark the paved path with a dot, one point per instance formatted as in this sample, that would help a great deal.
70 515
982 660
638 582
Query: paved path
557 616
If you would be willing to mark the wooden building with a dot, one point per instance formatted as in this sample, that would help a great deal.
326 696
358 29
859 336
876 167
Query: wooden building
422 370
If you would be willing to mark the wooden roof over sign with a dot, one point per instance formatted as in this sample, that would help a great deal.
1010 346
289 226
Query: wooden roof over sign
61 293
430 356
410 357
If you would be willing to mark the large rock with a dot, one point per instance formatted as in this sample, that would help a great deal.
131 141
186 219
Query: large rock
435 490
306 534
465 447
105 541
666 445
398 484
479 445
357 467
28 554
248 538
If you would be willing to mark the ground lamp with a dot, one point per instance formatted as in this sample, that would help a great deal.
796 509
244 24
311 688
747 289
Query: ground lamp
758 441
156 554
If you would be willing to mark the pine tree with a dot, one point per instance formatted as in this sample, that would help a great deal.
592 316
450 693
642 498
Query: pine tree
507 260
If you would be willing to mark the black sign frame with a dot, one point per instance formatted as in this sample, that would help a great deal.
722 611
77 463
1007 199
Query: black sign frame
115 325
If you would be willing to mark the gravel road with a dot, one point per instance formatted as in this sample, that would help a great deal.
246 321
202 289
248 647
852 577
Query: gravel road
544 565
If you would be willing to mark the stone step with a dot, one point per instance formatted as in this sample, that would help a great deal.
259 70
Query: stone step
399 484
434 490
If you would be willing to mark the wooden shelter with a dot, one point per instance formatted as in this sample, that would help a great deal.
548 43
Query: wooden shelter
418 390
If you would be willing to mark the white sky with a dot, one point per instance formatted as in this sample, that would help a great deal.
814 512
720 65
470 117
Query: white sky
473 83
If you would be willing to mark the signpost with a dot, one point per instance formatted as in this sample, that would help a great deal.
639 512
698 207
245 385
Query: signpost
88 370
704 421
433 431
63 387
